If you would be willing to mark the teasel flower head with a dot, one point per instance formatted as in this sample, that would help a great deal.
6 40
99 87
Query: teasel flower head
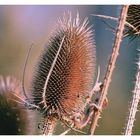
65 72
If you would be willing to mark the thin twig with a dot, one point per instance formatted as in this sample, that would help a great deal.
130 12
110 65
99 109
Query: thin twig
134 104
111 65
116 19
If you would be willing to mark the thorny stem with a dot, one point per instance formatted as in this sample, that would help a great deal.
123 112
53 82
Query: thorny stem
134 104
111 65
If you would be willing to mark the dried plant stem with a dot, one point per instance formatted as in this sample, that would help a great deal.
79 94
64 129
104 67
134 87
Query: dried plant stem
111 65
134 104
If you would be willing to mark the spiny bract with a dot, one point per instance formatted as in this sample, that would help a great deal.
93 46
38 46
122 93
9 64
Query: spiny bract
65 71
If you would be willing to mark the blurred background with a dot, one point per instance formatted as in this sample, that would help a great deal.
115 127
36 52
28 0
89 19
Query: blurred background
20 26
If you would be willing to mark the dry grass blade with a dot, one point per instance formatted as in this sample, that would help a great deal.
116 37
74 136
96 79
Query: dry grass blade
111 64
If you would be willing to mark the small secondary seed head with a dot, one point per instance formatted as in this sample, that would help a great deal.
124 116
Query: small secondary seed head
13 119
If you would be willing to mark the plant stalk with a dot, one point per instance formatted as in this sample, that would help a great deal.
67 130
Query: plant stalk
111 66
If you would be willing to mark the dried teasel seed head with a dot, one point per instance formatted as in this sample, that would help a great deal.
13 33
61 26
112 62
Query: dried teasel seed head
66 68
13 119
133 18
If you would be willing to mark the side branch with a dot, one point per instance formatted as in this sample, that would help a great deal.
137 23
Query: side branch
111 65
